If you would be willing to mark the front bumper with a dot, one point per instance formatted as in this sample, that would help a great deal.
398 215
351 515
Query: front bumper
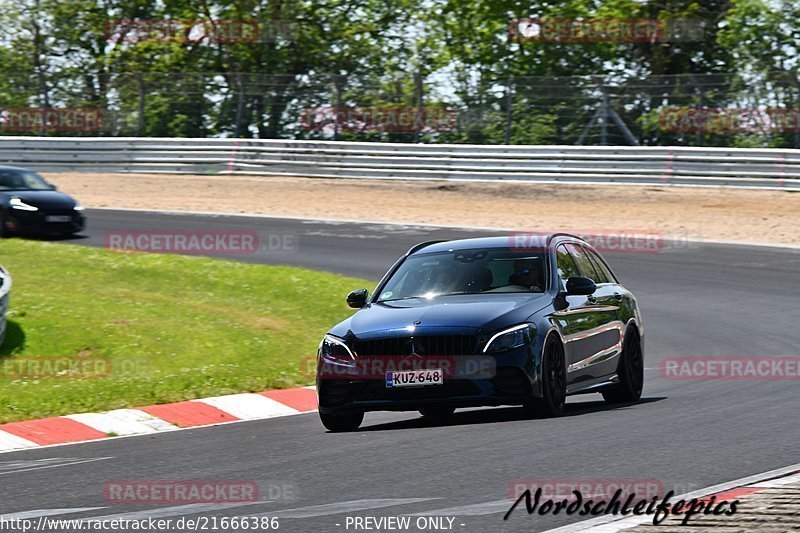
36 222
515 379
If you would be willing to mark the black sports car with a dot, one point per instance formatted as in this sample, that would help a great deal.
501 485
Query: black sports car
487 321
29 204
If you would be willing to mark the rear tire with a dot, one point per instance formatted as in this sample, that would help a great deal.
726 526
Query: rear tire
554 382
437 412
341 423
630 370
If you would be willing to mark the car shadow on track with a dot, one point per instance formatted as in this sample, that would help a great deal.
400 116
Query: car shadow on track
505 414
53 238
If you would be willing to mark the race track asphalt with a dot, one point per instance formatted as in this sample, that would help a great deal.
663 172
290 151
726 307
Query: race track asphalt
697 299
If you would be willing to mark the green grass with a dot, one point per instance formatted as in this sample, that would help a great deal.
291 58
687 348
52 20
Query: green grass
173 327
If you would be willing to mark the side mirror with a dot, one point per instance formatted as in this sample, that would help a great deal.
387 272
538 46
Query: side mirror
577 285
52 187
357 299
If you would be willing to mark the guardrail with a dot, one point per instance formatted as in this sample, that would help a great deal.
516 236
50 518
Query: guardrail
734 167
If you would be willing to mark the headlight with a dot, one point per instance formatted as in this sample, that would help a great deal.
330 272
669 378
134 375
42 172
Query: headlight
510 338
334 348
17 203
78 207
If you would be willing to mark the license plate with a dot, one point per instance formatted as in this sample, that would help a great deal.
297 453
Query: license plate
58 218
415 378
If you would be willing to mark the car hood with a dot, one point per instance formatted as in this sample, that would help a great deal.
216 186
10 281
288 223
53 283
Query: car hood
42 199
479 313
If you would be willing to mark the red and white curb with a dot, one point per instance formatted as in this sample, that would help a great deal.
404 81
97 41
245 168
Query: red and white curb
156 418
731 490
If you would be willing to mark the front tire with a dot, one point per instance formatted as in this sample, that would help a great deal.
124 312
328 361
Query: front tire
630 370
554 382
341 423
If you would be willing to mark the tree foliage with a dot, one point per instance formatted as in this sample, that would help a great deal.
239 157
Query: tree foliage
263 65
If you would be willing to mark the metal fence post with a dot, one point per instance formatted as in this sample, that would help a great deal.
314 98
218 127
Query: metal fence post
140 106
509 107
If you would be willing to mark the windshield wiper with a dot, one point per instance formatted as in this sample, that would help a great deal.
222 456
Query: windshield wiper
456 293
400 299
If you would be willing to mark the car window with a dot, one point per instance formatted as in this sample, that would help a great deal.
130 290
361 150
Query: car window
11 180
601 266
602 277
566 266
583 262
466 272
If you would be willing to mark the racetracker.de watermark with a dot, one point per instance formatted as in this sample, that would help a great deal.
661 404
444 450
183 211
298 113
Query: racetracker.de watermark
595 30
198 31
172 492
364 119
729 120
376 367
733 368
557 489
626 241
200 241
66 119
66 367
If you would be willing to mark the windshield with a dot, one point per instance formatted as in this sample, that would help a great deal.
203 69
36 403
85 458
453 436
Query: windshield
19 180
489 270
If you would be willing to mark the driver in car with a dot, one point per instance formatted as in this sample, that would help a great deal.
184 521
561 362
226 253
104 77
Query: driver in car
527 274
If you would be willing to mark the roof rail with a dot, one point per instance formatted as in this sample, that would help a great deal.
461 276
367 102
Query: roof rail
554 235
422 245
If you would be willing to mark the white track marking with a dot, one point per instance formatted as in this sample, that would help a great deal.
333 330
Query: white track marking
249 406
123 422
177 510
12 442
477 509
22 465
343 507
45 512
28 466
777 483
